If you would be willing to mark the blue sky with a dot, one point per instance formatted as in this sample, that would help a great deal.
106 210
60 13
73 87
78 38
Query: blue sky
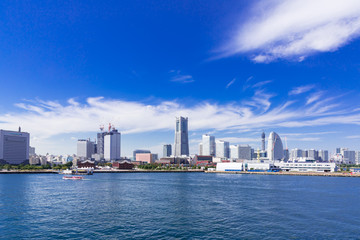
233 67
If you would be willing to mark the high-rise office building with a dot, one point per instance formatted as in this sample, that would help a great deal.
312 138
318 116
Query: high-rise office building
245 152
112 146
100 143
312 154
323 155
296 154
208 145
200 148
357 157
181 137
85 148
14 147
234 151
167 150
222 149
275 147
263 141
348 156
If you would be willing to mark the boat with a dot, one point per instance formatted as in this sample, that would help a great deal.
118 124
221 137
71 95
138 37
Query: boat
73 178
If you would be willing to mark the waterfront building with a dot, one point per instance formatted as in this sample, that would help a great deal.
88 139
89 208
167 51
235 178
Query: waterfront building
85 148
123 165
208 145
112 146
234 152
139 151
222 149
338 151
155 156
145 157
31 151
307 166
14 147
200 148
244 152
357 157
263 142
181 137
100 144
275 147
167 150
296 153
312 154
323 155
348 156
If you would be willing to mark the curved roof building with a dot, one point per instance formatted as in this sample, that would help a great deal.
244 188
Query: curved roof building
275 147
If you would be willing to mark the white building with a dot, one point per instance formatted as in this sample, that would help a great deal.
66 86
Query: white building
14 147
306 167
222 149
85 148
112 146
275 147
208 145
181 146
357 157
323 155
200 149
234 151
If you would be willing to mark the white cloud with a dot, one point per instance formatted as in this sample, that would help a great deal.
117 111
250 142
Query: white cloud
48 119
230 83
181 78
301 89
296 28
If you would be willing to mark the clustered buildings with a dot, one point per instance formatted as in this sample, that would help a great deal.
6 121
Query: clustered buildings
15 149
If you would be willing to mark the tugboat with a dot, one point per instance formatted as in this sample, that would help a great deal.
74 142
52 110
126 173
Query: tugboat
73 178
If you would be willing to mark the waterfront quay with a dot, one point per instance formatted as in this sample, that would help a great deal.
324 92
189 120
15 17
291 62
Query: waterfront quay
49 171
322 174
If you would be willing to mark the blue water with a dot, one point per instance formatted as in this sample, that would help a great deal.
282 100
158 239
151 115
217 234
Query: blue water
179 206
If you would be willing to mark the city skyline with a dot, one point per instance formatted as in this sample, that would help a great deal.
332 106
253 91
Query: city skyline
222 65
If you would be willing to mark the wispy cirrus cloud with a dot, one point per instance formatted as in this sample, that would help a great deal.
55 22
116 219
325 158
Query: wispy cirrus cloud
301 89
181 78
295 29
231 83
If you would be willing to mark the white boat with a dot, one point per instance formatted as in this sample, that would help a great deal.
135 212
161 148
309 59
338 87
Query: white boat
73 178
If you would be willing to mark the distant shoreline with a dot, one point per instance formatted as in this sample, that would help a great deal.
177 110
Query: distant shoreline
100 171
320 174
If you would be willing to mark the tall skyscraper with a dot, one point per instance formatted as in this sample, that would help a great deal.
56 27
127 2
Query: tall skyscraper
323 155
85 148
222 149
14 147
181 137
208 145
263 141
234 151
100 144
167 150
245 152
312 154
275 147
112 146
